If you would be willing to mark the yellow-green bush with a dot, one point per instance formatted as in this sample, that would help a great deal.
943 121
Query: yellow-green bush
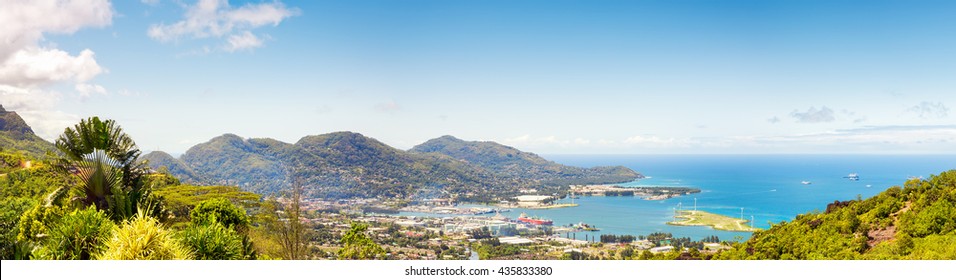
144 238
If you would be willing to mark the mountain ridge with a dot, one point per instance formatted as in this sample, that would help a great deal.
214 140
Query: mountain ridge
348 164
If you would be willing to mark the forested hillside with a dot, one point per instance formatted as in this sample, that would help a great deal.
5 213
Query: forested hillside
512 163
916 221
17 137
347 164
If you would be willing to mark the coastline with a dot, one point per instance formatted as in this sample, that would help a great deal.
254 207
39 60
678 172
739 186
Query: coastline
550 206
715 221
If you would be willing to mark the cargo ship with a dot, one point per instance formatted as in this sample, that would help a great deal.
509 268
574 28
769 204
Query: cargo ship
534 221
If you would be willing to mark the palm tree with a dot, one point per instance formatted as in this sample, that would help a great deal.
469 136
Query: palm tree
104 158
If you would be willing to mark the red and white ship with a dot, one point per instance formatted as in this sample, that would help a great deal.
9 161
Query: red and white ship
534 221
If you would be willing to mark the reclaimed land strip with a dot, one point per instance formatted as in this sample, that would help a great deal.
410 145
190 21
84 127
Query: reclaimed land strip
648 193
546 206
718 222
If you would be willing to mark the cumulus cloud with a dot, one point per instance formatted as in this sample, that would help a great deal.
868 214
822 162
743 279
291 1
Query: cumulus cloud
87 90
35 106
23 23
29 68
217 19
244 41
39 66
24 63
929 110
813 115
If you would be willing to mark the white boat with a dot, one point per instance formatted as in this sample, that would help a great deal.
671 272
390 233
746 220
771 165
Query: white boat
869 186
806 182
853 177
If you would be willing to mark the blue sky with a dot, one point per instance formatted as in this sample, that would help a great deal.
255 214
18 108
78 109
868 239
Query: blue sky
551 77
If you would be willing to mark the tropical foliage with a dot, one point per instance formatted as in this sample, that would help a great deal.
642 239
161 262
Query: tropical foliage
358 246
77 236
917 221
104 159
213 241
179 200
221 211
217 231
144 238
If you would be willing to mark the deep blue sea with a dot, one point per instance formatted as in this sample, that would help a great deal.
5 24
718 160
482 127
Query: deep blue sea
767 187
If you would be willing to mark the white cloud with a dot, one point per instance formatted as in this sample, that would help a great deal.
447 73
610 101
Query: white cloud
88 90
35 107
34 66
28 69
22 23
216 19
929 110
813 115
244 41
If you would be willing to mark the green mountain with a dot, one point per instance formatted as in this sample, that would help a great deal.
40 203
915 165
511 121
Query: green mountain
17 136
916 221
346 164
172 165
513 163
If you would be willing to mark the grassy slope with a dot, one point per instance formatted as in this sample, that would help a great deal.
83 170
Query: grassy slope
718 222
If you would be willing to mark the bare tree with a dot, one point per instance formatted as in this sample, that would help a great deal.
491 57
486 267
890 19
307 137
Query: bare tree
292 231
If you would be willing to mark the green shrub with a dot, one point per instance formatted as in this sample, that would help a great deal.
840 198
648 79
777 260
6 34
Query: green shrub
11 209
213 241
220 210
34 224
144 238
77 236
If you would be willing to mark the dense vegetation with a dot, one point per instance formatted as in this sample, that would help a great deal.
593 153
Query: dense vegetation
16 137
514 164
916 221
94 199
347 165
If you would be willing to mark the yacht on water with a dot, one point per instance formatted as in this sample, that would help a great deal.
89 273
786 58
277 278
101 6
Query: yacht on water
853 177
806 182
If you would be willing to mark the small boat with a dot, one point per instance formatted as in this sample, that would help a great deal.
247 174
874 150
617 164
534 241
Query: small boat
806 182
869 186
534 220
853 177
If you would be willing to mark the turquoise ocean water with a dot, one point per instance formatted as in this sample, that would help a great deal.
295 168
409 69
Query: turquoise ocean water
767 187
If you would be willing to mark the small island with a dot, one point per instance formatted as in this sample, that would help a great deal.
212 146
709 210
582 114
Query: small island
718 222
